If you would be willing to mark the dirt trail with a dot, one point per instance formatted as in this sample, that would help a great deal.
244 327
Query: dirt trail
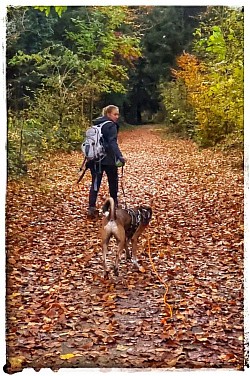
61 313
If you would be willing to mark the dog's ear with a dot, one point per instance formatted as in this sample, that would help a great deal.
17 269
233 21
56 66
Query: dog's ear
146 214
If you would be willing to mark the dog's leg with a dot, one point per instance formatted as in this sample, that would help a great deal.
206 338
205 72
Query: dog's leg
134 241
105 242
104 253
134 252
121 245
128 255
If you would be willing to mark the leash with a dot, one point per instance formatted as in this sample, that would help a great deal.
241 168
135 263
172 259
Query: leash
121 178
169 308
122 187
83 171
82 175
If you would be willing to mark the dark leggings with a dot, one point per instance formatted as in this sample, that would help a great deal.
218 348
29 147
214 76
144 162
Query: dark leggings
97 174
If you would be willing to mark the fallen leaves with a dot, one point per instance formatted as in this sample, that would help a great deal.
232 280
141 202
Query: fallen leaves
142 269
16 362
67 356
61 311
122 348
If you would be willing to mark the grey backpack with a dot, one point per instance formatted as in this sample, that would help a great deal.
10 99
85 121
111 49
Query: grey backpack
93 145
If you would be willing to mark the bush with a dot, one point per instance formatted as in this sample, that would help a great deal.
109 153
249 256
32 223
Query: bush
180 117
39 130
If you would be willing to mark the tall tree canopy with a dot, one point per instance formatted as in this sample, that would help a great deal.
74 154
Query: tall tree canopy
211 80
162 33
179 64
165 32
55 83
87 36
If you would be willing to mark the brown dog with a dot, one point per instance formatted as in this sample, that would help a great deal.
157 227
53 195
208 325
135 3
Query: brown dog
125 225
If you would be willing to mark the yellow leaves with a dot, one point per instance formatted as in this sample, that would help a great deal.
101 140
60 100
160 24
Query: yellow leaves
212 94
68 356
110 296
230 358
15 294
201 339
16 362
191 69
122 348
187 59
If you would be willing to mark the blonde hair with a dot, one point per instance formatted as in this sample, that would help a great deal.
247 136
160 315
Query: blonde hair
108 109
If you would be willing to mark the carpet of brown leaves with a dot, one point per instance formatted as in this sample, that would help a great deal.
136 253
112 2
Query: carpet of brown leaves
60 311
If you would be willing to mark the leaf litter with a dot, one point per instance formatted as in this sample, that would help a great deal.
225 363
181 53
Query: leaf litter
60 310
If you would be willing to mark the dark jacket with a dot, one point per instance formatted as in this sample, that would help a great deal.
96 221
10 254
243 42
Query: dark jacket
109 131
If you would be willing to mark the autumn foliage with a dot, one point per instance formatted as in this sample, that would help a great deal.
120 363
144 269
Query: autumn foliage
210 82
191 71
62 313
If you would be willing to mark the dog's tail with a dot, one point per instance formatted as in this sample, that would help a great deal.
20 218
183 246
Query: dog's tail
109 209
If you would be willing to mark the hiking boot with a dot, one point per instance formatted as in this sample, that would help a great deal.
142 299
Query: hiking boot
92 213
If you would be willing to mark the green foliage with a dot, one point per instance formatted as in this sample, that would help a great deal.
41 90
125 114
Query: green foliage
214 78
213 45
165 32
180 117
221 46
53 87
16 162
102 51
40 129
26 141
59 10
29 32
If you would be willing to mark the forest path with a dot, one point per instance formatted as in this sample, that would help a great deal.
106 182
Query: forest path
60 311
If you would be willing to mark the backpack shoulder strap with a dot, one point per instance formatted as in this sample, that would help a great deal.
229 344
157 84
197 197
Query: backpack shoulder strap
101 124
